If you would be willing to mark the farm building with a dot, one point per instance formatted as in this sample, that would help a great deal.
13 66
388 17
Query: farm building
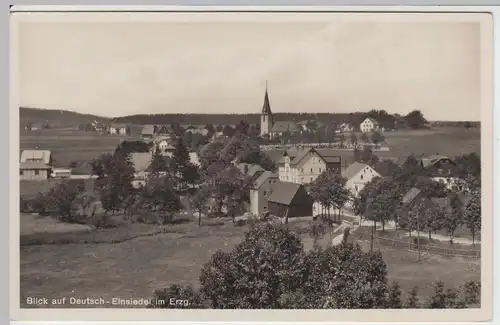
369 125
141 162
42 156
290 200
358 175
34 171
260 191
119 129
148 132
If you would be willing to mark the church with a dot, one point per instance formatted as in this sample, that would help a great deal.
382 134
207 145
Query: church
274 129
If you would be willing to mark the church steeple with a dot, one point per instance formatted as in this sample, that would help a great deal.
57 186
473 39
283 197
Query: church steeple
266 108
266 117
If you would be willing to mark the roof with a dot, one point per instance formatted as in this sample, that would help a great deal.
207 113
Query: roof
43 155
371 120
284 192
431 160
255 169
329 155
148 129
266 108
285 126
118 125
275 155
301 153
33 165
141 160
263 177
410 195
304 122
353 170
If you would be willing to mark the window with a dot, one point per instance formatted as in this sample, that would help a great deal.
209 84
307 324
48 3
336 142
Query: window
270 181
319 170
21 172
311 179
265 192
311 170
37 172
265 208
302 179
302 170
361 176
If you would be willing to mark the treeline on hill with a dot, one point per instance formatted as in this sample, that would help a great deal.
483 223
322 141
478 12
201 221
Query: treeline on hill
385 119
55 118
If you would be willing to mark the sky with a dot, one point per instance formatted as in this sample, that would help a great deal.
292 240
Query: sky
116 68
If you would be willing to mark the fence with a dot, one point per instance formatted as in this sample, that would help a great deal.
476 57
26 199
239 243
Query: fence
412 246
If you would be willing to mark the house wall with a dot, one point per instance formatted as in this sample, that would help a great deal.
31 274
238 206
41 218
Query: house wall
366 126
259 197
33 174
358 181
306 171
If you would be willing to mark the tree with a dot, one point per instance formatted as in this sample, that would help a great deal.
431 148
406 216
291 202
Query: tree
471 291
270 269
158 164
329 190
377 137
443 298
228 131
160 197
453 215
62 200
176 296
412 300
473 215
394 297
365 156
257 272
354 139
317 229
200 202
415 119
364 138
387 167
179 164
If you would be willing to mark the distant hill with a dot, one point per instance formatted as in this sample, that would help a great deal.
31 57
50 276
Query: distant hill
56 118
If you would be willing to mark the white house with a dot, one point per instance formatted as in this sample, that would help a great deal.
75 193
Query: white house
119 129
358 175
345 128
369 125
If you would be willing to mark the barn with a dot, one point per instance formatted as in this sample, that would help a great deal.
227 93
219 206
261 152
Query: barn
290 200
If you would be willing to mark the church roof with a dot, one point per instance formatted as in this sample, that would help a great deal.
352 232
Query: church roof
266 108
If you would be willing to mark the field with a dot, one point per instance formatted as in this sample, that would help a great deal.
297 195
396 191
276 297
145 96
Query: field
135 268
72 145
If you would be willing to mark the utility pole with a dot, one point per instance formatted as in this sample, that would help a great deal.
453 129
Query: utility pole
371 239
418 234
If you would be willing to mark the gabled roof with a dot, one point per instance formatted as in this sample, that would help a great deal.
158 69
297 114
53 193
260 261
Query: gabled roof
371 120
410 195
254 169
353 170
148 130
43 155
284 192
164 129
33 165
431 160
285 126
263 178
329 155
301 153
141 160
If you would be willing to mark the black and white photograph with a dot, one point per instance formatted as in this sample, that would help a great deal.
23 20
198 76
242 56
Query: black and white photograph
258 161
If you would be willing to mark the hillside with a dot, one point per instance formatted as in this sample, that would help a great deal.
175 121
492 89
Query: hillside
55 118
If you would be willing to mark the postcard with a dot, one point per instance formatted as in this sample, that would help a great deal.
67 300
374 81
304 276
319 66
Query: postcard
300 164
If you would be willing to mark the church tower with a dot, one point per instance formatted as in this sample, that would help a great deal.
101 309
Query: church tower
266 117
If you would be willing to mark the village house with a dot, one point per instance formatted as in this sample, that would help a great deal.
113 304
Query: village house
261 190
251 170
141 161
357 176
35 165
304 165
201 131
148 132
290 200
442 169
345 128
119 129
369 125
